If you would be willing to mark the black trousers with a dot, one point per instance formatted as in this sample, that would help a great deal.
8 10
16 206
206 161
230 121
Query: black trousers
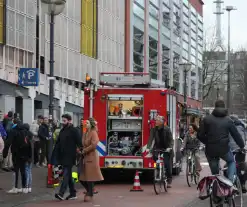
36 149
88 186
19 166
67 181
46 150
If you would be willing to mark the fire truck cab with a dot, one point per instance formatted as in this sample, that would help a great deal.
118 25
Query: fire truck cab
125 106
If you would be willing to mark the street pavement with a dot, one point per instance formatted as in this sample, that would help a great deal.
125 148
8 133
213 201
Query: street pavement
115 195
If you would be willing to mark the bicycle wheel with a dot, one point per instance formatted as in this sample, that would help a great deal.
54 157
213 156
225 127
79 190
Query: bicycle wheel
238 197
189 173
158 181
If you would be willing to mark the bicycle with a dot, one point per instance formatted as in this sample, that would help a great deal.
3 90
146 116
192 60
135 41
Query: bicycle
236 199
191 173
160 178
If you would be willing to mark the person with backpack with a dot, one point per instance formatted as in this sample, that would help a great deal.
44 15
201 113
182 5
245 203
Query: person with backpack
19 142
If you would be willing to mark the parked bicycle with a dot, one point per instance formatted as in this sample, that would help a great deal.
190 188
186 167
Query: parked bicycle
191 173
160 178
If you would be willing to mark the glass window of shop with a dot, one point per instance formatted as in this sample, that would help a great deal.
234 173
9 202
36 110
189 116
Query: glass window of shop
186 37
193 43
193 35
141 3
185 55
165 15
139 11
155 2
138 57
193 51
153 11
153 58
166 2
176 58
186 46
193 26
185 19
193 59
165 63
194 19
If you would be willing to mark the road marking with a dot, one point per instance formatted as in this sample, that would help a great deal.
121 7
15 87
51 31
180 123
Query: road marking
96 205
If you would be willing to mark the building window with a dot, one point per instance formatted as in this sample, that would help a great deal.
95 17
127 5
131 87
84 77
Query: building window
153 58
176 70
165 63
89 28
138 11
165 15
138 57
2 21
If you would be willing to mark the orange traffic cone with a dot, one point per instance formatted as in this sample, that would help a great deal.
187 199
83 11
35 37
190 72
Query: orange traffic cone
137 184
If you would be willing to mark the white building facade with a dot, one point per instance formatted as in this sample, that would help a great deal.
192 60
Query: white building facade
27 45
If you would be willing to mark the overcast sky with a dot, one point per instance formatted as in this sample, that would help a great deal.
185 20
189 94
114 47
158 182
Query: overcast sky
238 21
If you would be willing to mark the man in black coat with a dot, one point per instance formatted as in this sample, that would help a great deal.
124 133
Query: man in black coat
161 139
65 152
214 132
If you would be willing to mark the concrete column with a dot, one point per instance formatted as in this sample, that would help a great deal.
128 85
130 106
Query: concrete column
7 103
28 110
62 106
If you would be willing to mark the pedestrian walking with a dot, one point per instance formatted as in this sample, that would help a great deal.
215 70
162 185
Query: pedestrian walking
65 154
90 169
19 142
34 128
43 134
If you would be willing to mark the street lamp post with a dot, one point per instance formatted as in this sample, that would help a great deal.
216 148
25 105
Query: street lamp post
229 9
52 8
186 69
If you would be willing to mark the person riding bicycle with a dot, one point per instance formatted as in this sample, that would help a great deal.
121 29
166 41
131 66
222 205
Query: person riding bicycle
242 164
161 139
192 143
214 132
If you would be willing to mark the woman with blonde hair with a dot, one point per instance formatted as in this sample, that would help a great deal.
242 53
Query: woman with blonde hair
90 168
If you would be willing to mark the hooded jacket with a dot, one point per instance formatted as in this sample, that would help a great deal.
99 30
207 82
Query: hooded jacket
15 141
241 129
214 132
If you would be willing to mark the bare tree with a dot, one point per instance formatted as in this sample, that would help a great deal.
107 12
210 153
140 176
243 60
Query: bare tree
214 67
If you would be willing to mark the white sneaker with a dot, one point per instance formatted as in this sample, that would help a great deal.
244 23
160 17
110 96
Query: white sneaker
29 190
13 191
44 165
25 190
20 190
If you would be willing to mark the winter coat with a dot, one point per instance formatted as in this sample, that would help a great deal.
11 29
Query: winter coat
191 141
214 133
241 130
34 129
160 138
16 140
90 168
64 152
43 132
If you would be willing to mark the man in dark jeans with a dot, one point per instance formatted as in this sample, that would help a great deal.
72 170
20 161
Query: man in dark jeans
161 139
65 153
43 134
214 132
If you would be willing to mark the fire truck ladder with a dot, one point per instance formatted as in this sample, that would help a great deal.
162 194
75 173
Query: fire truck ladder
134 80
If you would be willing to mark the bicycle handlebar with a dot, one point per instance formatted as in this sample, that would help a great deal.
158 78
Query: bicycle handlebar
243 151
166 150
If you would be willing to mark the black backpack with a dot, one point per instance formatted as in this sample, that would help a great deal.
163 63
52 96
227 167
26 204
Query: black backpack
23 138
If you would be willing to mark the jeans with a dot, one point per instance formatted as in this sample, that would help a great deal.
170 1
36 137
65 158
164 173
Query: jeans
67 180
28 173
19 165
214 164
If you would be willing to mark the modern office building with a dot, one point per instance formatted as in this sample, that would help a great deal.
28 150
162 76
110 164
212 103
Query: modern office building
162 34
89 38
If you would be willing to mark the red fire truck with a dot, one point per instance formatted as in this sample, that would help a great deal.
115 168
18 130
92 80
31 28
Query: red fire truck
125 106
